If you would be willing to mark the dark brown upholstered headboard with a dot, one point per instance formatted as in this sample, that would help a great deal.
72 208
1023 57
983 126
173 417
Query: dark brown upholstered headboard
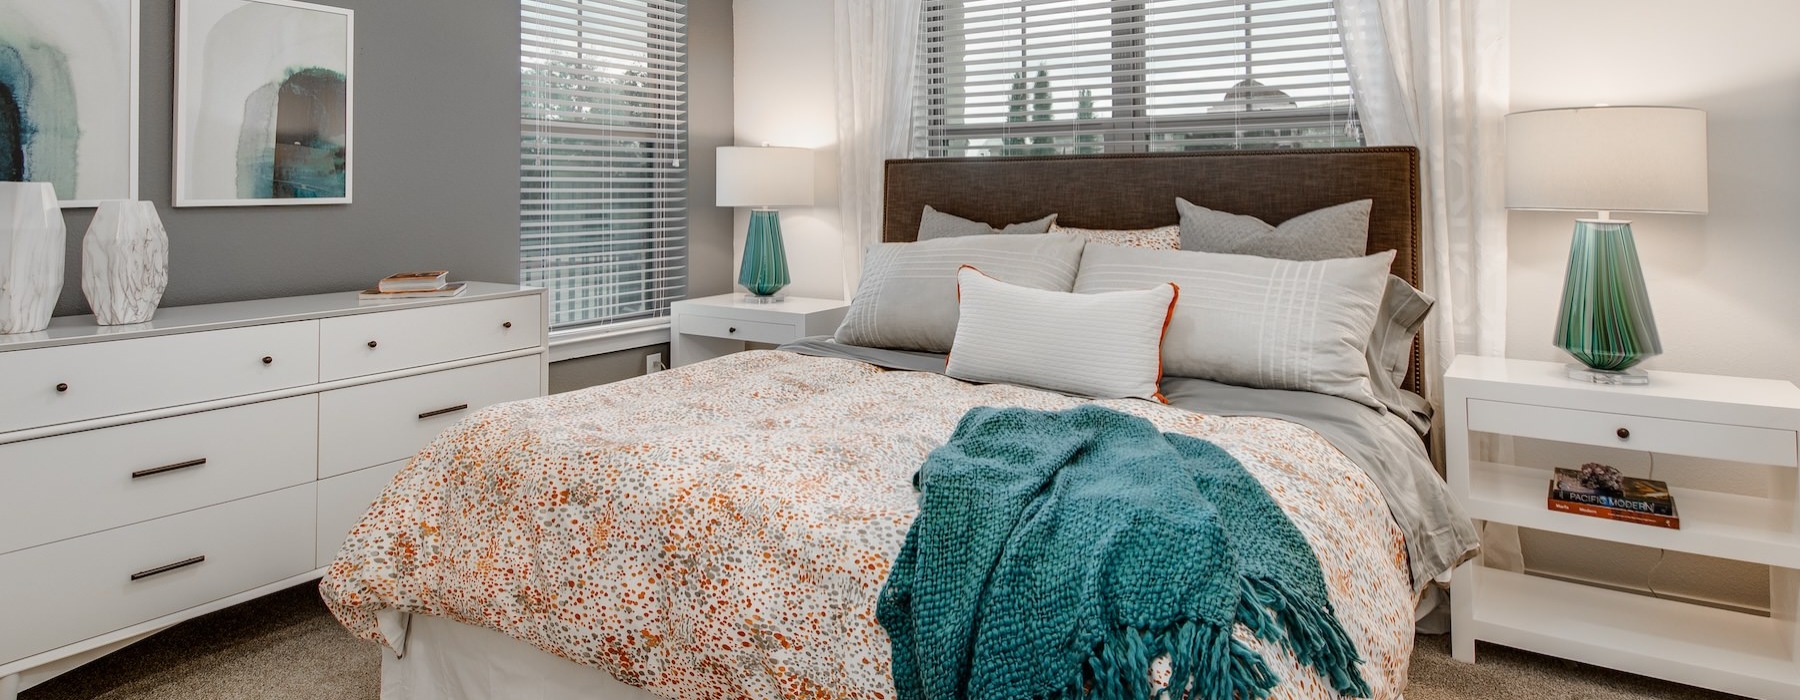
1131 191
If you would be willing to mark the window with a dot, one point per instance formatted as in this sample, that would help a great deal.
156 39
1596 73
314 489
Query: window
603 185
1040 77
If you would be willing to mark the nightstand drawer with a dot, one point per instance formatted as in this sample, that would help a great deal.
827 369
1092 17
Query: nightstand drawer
1692 438
753 331
69 485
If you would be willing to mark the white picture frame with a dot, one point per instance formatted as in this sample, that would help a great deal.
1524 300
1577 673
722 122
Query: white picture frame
234 63
89 154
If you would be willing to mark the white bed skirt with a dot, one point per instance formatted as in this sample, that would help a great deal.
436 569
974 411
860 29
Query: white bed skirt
447 660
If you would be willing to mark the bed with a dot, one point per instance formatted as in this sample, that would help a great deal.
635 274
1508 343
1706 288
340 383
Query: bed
722 529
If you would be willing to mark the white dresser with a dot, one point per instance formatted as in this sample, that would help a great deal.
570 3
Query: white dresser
155 472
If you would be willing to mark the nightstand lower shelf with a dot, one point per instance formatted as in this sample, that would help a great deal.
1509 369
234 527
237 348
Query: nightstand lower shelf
1715 524
1718 649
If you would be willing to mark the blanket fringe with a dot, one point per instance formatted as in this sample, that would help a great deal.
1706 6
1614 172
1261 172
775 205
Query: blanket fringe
1276 613
1205 660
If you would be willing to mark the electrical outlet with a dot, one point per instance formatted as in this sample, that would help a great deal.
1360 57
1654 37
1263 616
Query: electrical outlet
653 363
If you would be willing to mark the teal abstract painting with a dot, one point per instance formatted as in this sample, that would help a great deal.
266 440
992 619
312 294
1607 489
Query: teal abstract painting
68 97
264 103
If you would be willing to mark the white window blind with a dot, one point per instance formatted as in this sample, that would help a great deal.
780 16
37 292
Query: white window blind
603 187
1041 77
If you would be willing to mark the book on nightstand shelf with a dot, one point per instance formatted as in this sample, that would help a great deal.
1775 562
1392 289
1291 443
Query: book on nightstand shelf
1634 500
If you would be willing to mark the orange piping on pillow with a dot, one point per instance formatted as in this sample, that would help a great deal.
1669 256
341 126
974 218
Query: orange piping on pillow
1167 318
959 269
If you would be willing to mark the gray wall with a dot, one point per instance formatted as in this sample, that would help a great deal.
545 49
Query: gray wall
594 370
437 169
437 166
710 117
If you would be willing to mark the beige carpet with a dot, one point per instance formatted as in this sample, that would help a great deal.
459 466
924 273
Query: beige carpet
285 647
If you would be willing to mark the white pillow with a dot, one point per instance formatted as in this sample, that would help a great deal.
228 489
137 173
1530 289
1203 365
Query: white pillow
907 300
1100 345
1258 322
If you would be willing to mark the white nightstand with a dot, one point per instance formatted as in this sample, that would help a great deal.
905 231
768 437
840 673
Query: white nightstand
1754 421
702 329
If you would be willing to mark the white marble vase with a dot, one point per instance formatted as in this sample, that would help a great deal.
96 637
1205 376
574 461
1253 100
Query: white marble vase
124 263
32 238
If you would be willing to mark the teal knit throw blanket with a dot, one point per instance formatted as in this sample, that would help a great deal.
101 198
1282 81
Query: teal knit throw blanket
1057 554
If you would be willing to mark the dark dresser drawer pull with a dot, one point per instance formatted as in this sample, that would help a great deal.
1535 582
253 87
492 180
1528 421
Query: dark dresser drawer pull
442 411
373 343
166 568
732 329
153 471
268 360
507 325
1624 433
60 388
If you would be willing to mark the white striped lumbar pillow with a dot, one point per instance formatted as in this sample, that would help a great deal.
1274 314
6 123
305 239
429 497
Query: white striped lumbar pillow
1105 346
1258 322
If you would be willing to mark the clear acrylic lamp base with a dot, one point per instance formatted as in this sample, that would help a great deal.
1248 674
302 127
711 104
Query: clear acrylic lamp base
770 299
1630 377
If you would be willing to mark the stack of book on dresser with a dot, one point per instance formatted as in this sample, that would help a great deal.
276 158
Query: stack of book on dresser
1622 498
413 285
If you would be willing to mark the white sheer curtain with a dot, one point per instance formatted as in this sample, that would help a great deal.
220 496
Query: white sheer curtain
1433 74
877 42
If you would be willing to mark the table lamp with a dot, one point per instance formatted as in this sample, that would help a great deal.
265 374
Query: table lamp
764 178
1607 159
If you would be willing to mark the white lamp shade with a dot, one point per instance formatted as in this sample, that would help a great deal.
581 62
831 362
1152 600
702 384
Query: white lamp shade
1642 159
765 177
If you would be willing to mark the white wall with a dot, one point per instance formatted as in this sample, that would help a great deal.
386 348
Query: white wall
785 94
1725 285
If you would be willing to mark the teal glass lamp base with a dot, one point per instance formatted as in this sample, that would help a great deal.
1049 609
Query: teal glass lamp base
765 269
1630 377
1605 321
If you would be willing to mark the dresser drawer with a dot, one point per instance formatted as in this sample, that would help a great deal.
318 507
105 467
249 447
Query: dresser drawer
72 590
342 502
753 331
363 426
48 386
1669 436
353 346
69 485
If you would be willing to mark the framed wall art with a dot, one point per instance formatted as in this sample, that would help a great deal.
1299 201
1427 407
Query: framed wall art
264 103
69 97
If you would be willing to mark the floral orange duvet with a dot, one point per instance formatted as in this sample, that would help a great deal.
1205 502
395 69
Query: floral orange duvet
722 530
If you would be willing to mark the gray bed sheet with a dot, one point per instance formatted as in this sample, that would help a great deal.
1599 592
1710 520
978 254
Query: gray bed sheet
1439 535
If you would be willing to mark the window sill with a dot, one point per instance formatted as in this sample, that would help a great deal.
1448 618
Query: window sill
587 342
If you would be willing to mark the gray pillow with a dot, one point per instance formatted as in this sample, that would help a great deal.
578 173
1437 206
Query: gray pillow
1340 231
936 224
1255 321
1403 312
907 300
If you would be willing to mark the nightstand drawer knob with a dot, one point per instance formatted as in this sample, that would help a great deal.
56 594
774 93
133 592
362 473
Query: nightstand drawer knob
62 388
732 329
1624 433
507 325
